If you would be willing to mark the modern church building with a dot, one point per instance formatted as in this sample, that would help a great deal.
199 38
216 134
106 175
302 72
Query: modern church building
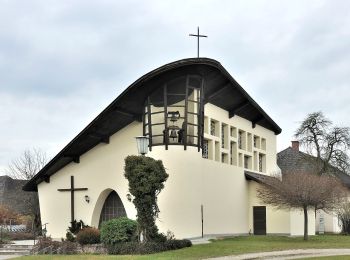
216 143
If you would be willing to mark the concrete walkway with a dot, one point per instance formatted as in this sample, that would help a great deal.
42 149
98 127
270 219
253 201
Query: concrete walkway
199 241
24 242
3 257
288 254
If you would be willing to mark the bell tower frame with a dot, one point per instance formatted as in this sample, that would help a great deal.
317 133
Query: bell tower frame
174 113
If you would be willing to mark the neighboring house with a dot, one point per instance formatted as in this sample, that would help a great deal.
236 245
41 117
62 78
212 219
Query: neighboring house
217 144
12 195
292 159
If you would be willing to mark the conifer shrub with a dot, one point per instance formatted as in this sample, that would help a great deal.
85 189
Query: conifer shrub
74 229
146 177
88 236
118 230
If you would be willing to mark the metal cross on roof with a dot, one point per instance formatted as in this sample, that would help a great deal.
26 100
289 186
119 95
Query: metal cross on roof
198 35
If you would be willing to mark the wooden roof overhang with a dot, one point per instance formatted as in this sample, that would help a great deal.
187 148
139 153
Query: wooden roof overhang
220 89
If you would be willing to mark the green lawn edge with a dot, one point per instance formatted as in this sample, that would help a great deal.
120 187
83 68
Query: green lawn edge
228 246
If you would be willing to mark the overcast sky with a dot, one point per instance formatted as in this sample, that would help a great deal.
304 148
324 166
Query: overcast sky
62 62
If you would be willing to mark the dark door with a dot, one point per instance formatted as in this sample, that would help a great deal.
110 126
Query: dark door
259 220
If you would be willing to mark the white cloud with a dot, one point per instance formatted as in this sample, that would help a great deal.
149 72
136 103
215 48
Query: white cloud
62 62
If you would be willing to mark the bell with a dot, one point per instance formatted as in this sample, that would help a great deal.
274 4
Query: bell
175 115
173 134
173 118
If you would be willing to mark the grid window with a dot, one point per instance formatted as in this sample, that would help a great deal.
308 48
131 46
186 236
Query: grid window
260 162
212 127
222 136
240 137
205 149
112 208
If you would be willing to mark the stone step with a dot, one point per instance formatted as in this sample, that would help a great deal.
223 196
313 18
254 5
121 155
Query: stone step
13 249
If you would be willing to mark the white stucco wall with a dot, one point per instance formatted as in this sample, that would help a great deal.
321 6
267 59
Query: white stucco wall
99 169
297 223
331 222
277 221
193 181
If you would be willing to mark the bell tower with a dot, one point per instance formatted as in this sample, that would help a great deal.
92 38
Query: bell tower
174 113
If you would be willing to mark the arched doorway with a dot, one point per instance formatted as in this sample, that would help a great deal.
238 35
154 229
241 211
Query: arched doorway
112 208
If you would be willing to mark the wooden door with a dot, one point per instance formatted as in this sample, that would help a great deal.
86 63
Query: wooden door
259 220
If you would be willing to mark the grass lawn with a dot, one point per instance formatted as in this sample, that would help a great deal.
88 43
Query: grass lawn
229 246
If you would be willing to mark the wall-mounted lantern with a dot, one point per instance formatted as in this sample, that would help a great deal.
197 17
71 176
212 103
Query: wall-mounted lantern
142 144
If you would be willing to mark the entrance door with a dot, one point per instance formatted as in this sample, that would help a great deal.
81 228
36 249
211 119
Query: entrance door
259 220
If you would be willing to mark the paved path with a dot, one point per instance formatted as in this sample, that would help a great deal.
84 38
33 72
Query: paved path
3 257
24 242
288 254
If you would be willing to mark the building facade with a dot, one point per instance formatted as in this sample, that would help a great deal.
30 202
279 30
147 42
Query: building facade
215 143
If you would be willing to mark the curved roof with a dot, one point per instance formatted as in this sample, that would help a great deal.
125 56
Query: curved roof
220 89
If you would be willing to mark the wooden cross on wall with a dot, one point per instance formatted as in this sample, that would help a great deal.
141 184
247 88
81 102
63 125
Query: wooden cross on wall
72 190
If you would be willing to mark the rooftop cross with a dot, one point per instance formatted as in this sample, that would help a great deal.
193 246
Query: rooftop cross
198 35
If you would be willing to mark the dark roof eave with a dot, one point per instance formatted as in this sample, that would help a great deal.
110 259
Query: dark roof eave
257 177
44 173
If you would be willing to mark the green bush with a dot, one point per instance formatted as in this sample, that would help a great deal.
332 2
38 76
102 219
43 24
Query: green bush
88 236
127 248
118 230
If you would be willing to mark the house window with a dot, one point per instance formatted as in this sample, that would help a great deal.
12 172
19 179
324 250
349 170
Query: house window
205 149
212 127
255 141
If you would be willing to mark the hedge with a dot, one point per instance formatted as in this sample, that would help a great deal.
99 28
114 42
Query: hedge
127 248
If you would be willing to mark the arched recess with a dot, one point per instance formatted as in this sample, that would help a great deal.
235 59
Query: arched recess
110 203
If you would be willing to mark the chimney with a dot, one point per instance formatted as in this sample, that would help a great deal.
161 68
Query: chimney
295 145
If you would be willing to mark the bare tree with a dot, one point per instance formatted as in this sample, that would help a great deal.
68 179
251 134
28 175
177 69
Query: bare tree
329 144
27 165
343 214
303 191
